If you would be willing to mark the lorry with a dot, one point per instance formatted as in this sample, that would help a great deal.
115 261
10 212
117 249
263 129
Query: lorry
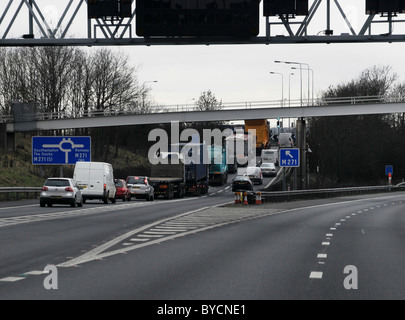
168 179
95 180
218 168
197 169
185 173
262 127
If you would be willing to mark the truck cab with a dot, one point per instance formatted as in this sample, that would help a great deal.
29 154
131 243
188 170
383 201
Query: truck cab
218 169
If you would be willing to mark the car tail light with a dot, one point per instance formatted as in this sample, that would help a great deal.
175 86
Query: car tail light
105 187
44 189
69 189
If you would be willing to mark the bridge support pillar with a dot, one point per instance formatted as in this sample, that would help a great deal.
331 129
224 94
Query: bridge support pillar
7 139
302 145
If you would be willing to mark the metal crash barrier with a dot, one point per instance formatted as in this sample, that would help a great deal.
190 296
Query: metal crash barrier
8 194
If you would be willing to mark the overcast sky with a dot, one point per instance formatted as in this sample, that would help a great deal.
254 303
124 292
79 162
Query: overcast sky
242 72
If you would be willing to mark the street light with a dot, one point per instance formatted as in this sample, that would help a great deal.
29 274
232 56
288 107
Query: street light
300 64
282 92
187 101
282 86
312 71
289 95
143 91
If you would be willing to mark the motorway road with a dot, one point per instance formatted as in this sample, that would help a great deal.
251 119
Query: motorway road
186 249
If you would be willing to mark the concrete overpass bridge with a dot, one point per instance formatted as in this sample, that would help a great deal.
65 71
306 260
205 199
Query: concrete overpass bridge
230 112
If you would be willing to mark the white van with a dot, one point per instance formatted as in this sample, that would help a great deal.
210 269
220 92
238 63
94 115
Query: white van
285 140
96 180
270 156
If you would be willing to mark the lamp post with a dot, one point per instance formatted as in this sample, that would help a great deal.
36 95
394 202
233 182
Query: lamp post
300 64
282 86
282 94
192 99
143 91
289 95
301 136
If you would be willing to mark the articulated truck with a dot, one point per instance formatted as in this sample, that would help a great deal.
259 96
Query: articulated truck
185 173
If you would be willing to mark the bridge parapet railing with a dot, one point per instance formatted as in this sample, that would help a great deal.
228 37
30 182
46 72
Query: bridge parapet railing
321 102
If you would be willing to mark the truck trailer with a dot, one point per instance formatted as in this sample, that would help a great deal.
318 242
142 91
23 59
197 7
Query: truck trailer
186 172
168 179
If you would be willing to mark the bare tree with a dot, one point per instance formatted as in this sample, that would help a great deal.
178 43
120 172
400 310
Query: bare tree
207 101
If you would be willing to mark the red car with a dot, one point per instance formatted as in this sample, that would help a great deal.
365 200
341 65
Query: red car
122 190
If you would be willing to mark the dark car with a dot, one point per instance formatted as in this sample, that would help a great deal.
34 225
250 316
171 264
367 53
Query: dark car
122 190
242 183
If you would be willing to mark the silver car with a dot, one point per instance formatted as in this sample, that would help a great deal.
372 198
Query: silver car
140 187
268 169
60 191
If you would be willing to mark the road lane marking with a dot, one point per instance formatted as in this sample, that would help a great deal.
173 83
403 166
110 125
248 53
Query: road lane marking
103 250
35 273
11 279
316 275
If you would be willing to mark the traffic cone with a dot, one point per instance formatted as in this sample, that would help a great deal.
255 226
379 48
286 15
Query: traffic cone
237 197
246 198
258 198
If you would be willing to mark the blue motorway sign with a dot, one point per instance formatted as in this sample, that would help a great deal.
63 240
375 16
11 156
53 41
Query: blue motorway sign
389 169
289 157
60 150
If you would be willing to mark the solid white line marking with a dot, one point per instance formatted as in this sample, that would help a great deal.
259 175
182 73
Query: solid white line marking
35 273
316 275
154 231
136 239
11 279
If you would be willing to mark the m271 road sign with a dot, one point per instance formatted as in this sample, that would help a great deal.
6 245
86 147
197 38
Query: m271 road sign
60 150
289 158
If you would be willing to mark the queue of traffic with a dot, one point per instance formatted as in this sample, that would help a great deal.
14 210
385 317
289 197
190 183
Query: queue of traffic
95 180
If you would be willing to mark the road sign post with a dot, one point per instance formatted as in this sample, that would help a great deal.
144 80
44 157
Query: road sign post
288 158
389 171
60 150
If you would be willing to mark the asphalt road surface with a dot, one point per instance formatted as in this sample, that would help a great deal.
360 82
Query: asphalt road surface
199 249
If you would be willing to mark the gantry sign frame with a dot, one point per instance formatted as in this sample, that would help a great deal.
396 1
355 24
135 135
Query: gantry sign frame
27 23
